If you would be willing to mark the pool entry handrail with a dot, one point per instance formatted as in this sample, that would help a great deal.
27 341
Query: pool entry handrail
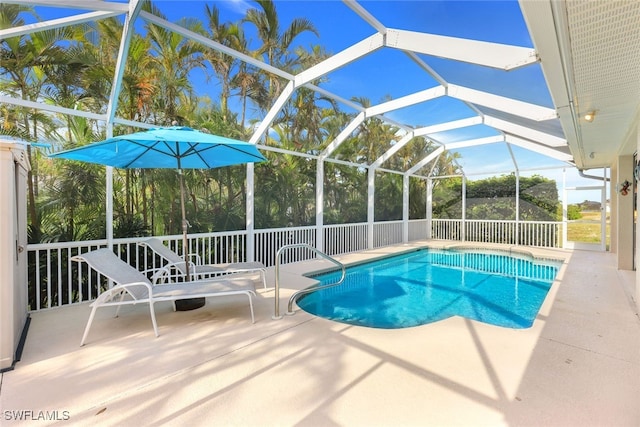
276 313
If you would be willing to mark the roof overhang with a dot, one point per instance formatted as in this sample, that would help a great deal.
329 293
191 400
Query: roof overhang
589 54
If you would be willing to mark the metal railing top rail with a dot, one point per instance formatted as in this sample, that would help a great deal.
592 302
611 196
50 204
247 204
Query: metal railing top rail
276 311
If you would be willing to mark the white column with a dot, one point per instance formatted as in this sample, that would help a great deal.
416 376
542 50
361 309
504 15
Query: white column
250 212
109 197
371 192
564 208
429 206
622 225
405 208
517 207
463 232
320 205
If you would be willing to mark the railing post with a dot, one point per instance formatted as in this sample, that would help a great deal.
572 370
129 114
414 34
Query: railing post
371 189
429 207
320 205
249 244
463 228
405 208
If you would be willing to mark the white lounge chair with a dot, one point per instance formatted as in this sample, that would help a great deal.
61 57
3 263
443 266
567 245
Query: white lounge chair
133 287
197 269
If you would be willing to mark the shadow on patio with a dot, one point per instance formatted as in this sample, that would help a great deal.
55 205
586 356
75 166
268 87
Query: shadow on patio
577 365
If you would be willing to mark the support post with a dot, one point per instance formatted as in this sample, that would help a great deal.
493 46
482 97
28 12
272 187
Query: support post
320 205
405 208
429 207
250 214
371 192
463 227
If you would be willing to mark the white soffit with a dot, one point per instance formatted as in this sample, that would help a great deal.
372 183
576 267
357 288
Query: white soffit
590 51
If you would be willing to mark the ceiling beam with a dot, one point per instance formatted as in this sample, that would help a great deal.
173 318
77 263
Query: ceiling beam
525 132
51 108
537 148
55 23
273 112
75 4
405 101
364 14
340 59
214 45
422 163
501 103
125 41
494 55
343 135
474 142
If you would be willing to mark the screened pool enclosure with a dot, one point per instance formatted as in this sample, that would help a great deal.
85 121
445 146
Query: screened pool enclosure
396 130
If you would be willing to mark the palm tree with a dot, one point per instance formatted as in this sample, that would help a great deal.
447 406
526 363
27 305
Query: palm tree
276 44
26 61
174 58
75 194
230 35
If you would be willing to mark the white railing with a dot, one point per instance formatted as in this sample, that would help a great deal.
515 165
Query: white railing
345 238
541 234
387 233
446 229
418 229
54 280
544 234
268 242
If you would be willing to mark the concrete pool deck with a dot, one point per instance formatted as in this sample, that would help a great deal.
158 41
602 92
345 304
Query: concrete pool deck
579 364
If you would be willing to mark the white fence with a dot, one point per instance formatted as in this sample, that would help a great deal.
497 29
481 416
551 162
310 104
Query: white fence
545 234
54 280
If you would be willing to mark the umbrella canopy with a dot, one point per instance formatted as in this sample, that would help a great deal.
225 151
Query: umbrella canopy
176 147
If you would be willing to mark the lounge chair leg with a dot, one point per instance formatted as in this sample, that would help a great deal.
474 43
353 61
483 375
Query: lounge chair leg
264 278
253 320
120 300
153 318
89 322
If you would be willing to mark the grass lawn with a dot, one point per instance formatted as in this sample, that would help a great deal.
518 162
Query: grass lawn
587 229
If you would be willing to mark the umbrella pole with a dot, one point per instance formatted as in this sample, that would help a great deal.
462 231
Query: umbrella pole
185 225
189 303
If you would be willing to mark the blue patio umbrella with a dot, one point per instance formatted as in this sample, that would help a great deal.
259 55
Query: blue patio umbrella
175 147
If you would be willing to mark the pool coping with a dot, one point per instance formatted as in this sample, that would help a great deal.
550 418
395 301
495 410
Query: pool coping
538 254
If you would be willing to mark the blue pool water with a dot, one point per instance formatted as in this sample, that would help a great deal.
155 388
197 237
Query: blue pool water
430 285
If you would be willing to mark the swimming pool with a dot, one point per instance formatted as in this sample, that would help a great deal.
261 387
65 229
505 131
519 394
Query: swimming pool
431 284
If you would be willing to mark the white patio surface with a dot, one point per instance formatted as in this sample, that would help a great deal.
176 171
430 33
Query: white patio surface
578 365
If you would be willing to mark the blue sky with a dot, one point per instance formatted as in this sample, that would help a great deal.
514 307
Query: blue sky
389 73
